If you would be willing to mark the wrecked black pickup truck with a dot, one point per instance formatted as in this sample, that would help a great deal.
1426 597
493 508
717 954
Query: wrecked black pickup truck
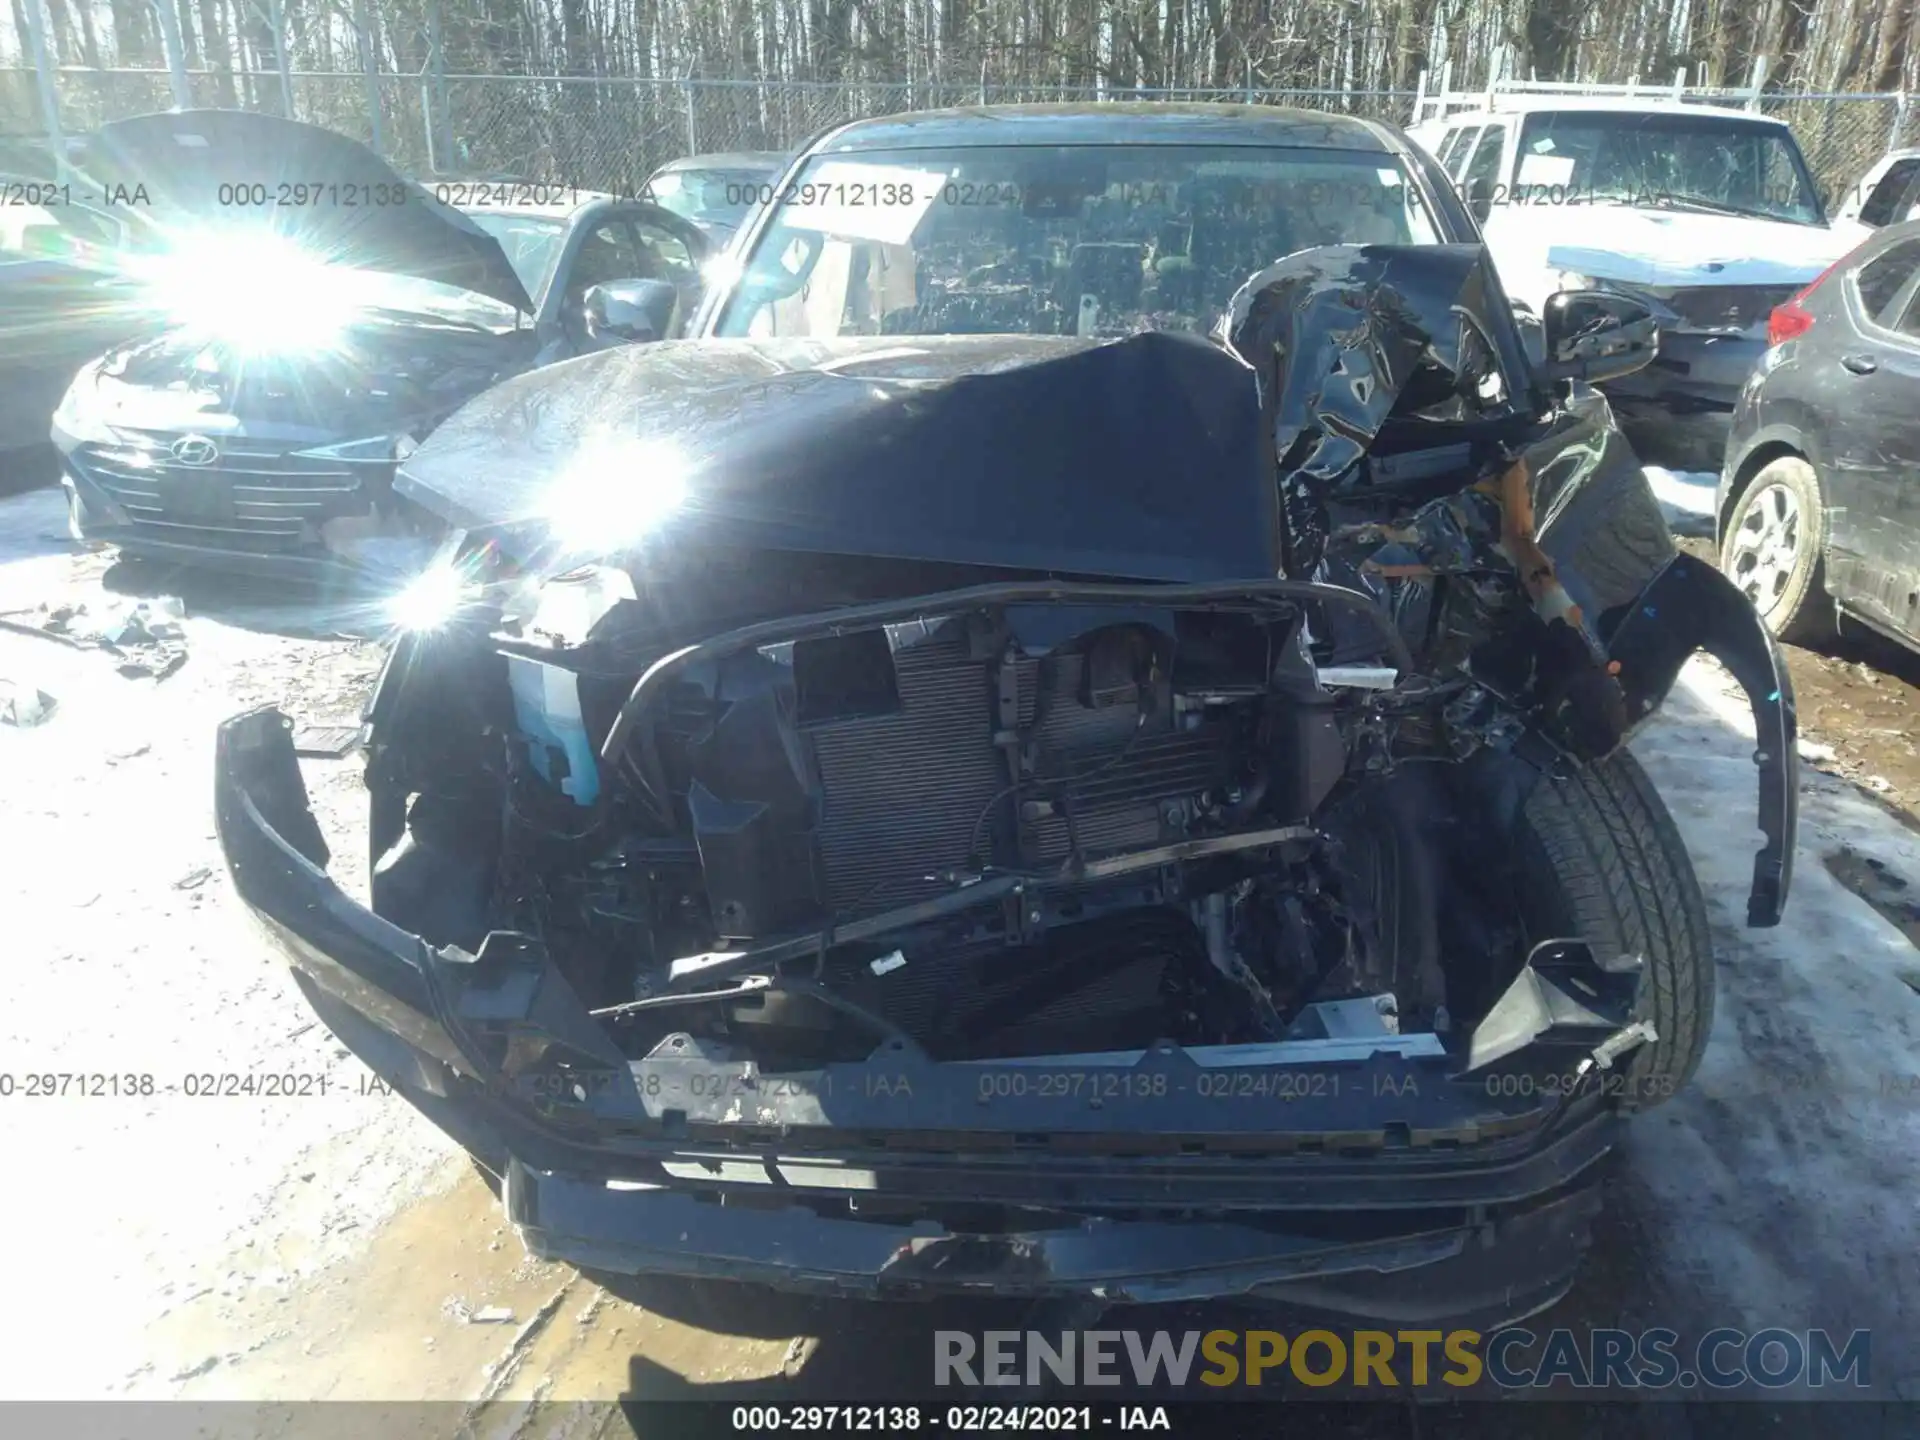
1140 818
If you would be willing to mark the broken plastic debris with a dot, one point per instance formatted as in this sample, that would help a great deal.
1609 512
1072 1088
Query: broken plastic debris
888 963
24 705
146 634
326 742
147 621
491 1315
1360 677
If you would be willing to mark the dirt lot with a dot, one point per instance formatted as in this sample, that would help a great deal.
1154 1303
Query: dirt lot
1857 700
332 1245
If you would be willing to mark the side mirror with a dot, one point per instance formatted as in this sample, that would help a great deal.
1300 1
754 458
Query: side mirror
1595 335
632 312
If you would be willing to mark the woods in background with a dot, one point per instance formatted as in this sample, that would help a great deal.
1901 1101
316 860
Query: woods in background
1342 45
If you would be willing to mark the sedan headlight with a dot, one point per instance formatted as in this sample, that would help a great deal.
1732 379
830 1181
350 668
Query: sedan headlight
373 450
78 415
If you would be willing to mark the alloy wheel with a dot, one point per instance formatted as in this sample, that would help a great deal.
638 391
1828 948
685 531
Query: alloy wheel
1765 546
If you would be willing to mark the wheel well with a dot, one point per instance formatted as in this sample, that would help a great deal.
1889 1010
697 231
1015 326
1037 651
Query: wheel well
1761 457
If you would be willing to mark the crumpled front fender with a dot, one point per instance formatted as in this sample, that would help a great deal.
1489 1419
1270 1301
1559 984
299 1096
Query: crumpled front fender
1691 606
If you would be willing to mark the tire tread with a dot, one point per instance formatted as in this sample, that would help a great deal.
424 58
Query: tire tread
1629 888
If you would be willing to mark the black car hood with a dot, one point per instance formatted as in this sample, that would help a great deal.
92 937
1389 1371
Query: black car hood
227 169
1137 458
1153 457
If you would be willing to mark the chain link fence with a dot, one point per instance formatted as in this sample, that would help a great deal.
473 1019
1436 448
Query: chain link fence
611 134
1841 135
594 133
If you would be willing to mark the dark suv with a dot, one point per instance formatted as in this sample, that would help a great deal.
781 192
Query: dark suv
1817 512
1072 744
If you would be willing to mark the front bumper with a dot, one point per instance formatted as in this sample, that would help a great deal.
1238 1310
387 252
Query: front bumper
248 539
1693 373
1473 1275
1398 1192
1476 1219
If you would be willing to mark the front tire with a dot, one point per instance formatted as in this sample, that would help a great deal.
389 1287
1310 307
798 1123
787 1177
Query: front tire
1602 860
1774 550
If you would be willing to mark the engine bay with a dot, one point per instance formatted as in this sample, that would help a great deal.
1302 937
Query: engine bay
1017 827
795 803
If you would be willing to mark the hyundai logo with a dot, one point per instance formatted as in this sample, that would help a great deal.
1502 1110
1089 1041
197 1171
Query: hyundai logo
195 450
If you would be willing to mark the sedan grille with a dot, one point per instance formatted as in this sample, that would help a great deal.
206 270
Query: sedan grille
251 495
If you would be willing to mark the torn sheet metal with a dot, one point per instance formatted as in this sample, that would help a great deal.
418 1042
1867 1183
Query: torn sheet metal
1344 337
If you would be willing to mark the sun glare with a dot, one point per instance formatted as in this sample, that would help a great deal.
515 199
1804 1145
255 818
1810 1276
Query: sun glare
256 292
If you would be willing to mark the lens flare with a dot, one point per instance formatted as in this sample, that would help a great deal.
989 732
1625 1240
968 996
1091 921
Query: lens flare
615 491
255 292
432 599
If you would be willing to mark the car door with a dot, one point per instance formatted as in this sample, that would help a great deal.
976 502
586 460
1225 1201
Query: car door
639 242
1865 382
608 251
1888 196
1481 180
674 250
1459 137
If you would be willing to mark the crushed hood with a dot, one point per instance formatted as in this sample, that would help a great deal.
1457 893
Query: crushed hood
1153 457
337 204
1671 248
1136 458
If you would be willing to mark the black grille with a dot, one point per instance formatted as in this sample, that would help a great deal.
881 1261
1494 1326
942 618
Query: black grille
250 495
913 794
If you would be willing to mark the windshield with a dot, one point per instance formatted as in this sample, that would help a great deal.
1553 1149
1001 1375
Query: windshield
1714 162
532 244
1088 240
711 195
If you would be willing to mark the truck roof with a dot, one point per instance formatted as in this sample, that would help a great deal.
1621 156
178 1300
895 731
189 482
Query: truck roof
1526 104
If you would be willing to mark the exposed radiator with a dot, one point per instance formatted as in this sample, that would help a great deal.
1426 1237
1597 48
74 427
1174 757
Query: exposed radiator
909 795
904 791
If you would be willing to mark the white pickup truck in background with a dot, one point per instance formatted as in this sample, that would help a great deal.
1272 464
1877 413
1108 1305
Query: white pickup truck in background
1707 214
1887 194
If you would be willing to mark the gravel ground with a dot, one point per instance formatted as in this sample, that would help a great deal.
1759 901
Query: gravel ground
333 1245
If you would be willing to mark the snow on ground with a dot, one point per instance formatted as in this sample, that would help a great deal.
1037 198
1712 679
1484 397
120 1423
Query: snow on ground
1781 1180
1686 498
131 957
